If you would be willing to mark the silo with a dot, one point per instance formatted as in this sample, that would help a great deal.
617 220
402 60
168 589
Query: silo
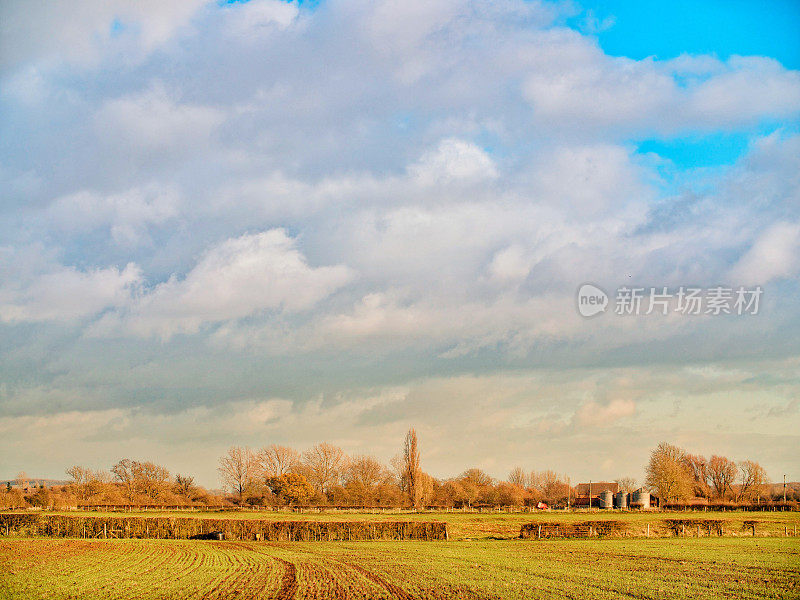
621 500
606 499
640 499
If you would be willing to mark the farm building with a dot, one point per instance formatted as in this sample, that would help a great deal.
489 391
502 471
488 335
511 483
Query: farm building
596 487
606 494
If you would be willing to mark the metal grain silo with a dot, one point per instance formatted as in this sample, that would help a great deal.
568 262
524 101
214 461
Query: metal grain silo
640 499
606 499
621 500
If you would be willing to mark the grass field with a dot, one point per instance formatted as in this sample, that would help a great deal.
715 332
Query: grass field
483 559
658 568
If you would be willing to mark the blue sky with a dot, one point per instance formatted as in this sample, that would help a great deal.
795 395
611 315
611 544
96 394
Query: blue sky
257 222
721 28
666 30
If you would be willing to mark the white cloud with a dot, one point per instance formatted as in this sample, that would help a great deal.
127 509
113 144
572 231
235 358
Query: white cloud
510 264
240 277
127 215
454 161
66 294
154 120
749 89
471 162
594 414
585 89
256 17
775 254
587 181
63 29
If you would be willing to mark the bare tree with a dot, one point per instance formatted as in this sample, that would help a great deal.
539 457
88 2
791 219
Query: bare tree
184 486
698 466
667 473
473 484
275 460
123 472
363 476
626 484
552 486
411 471
237 469
722 473
427 488
80 479
151 480
87 484
518 477
324 465
752 478
21 480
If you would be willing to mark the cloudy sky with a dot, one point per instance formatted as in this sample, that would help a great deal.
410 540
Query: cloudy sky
267 221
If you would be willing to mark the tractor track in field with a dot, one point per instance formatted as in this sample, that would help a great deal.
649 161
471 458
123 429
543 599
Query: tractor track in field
288 582
394 590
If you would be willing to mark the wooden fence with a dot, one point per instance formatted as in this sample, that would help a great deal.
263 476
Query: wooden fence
552 529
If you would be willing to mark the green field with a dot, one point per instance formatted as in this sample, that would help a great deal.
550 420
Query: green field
482 560
663 568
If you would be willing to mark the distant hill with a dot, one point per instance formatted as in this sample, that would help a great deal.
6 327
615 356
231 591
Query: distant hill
777 488
36 482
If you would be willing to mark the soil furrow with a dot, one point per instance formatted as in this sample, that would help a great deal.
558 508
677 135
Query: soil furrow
395 591
288 582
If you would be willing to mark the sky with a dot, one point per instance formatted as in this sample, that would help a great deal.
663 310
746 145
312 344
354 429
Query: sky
245 223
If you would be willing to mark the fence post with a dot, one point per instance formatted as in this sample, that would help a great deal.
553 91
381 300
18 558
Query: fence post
540 532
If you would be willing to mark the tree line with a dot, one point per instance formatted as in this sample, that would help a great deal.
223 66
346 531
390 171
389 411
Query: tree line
129 482
324 474
676 476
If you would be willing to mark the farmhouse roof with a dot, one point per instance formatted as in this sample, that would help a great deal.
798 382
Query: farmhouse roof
582 489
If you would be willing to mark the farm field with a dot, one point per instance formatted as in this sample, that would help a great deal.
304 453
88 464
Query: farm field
466 525
497 569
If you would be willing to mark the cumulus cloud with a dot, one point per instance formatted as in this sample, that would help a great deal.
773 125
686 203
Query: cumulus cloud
775 254
396 193
590 180
238 278
127 215
454 161
585 88
255 17
154 120
67 294
33 31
